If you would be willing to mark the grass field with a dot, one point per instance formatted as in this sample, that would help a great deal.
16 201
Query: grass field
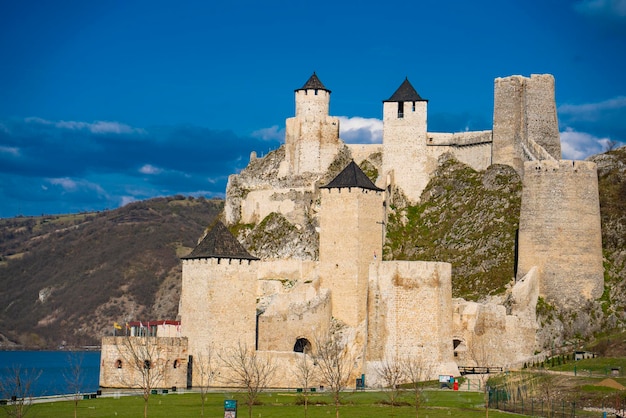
437 404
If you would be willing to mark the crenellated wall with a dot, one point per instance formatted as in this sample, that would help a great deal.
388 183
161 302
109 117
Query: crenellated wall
560 231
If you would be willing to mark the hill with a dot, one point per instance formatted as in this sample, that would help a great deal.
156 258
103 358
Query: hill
66 279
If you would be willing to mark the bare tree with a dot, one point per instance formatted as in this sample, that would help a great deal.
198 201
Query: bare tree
416 371
480 354
74 377
392 372
205 366
305 373
16 387
336 364
247 370
141 356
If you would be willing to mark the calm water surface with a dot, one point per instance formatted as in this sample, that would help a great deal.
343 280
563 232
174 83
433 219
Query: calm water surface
55 367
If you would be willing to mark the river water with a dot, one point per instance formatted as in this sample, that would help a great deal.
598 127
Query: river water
52 372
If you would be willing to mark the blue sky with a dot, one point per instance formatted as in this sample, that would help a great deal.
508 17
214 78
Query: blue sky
103 103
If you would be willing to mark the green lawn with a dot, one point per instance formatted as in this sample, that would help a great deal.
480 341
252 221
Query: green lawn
279 405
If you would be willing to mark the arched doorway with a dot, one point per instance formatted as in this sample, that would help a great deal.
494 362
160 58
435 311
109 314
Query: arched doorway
302 345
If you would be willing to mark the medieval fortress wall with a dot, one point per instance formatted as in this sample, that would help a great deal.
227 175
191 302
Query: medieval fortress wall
559 230
279 308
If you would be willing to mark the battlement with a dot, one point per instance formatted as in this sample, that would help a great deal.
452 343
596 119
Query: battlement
562 166
458 139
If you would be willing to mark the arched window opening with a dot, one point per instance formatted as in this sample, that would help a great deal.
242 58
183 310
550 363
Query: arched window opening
302 345
118 364
176 364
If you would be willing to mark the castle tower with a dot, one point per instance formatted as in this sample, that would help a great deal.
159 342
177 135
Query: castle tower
350 239
218 299
404 141
312 136
559 231
525 125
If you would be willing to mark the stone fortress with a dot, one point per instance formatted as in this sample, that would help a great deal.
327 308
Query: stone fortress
281 303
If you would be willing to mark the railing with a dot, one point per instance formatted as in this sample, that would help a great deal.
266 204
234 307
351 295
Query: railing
479 370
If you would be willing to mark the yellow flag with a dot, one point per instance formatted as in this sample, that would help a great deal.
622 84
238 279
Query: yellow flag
116 325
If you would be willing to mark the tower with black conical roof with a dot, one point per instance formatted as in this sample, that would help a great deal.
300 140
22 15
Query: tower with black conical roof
312 136
404 141
351 218
218 299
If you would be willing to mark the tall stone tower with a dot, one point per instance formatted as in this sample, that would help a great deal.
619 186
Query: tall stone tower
525 125
559 230
218 300
312 136
351 218
405 160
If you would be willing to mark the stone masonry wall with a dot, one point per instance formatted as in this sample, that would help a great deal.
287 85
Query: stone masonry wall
560 231
168 358
524 111
409 315
350 238
218 304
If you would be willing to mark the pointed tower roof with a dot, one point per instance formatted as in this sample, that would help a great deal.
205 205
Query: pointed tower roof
220 243
313 83
352 176
405 93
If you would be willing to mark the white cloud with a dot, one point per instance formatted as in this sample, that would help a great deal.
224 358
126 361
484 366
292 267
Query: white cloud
72 186
66 183
602 8
97 127
272 133
580 145
361 130
592 111
150 169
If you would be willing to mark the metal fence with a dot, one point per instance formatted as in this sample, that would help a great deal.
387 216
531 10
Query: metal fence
499 399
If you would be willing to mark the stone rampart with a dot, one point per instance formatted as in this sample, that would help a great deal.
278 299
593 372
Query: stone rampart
559 230
119 368
409 309
487 335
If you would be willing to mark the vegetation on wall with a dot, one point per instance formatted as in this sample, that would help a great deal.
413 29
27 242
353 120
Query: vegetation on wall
466 218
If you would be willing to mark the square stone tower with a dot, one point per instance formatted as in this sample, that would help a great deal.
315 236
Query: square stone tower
405 158
351 237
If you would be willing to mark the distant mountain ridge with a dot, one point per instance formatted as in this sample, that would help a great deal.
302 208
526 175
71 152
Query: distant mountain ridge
65 279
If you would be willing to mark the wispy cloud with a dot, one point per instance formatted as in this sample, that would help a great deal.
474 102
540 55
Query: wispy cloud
361 130
592 111
97 127
10 150
272 133
613 9
150 169
59 166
